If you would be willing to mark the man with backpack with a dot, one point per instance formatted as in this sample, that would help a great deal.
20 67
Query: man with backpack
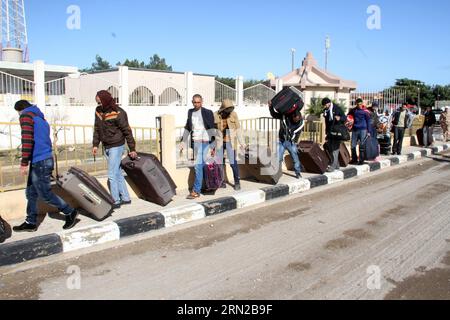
291 128
37 162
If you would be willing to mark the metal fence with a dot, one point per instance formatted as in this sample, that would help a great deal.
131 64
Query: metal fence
72 145
13 88
222 92
388 100
259 94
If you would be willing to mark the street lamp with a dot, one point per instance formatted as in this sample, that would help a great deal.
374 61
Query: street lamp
293 58
418 101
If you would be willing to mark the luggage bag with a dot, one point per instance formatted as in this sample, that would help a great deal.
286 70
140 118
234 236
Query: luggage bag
288 101
344 155
265 168
312 157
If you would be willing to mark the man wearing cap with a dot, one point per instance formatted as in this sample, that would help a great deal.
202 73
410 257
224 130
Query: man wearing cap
332 114
229 137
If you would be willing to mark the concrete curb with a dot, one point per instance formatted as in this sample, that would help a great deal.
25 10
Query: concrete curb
44 246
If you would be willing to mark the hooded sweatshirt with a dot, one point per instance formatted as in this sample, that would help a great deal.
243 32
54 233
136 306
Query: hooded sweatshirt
36 143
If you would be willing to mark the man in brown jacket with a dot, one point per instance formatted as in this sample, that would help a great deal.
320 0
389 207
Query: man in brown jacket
112 130
228 125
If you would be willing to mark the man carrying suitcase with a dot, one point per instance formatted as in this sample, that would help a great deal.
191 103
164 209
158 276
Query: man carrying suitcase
201 128
112 130
37 158
290 131
333 114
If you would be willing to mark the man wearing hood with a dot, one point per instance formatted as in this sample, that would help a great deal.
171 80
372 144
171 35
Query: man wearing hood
37 161
112 130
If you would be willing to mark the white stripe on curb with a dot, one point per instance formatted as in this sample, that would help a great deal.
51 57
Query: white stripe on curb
89 236
440 148
417 155
183 214
385 164
335 177
249 198
299 186
402 159
429 152
364 169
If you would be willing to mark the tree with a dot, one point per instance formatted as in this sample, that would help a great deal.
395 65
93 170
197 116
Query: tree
99 65
315 107
156 63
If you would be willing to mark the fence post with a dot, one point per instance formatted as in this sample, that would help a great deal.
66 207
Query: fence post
189 87
39 83
168 143
279 85
124 97
240 91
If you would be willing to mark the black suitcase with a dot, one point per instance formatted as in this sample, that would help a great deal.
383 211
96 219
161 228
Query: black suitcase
288 100
370 148
149 179
420 141
266 169
88 192
385 144
312 157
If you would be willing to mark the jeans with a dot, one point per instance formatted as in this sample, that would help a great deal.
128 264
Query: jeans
117 185
358 136
201 154
427 136
399 133
293 151
231 154
39 187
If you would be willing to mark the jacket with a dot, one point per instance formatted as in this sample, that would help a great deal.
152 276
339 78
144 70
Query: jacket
362 119
289 130
337 111
36 142
430 119
234 130
112 129
408 119
208 121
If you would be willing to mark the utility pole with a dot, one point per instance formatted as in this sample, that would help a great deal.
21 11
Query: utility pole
327 49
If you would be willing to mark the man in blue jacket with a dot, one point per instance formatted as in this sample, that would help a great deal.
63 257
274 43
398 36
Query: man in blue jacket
38 157
360 131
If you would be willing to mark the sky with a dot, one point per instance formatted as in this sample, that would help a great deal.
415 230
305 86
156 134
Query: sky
251 38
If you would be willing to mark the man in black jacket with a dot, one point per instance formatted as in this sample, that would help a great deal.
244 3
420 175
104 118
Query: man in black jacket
200 127
333 114
430 121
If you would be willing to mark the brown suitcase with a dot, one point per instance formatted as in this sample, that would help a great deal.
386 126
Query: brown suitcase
149 179
312 157
344 155
265 169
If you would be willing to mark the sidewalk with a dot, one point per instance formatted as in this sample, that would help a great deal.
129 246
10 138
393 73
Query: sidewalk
141 216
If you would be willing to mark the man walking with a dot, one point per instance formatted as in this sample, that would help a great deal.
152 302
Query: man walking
400 121
428 126
333 114
37 151
360 131
201 128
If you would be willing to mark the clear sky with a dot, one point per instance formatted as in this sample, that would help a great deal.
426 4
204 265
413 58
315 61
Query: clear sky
251 37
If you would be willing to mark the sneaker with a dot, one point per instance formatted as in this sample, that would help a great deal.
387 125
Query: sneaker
237 187
193 196
116 206
125 202
298 175
25 227
71 220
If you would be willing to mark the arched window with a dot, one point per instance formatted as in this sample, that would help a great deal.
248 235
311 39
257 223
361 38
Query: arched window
114 92
170 96
142 96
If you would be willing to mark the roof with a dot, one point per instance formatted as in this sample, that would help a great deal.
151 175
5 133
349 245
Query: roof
26 70
310 75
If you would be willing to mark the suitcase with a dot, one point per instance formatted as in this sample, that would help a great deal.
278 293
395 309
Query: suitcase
312 157
88 192
385 144
419 134
344 155
265 169
212 176
149 179
370 148
288 101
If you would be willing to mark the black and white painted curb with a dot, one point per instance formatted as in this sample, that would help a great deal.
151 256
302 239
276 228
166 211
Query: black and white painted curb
69 241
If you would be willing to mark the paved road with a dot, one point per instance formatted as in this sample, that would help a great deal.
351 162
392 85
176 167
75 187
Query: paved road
386 236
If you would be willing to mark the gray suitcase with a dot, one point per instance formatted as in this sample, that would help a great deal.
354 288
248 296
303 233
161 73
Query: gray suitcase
88 192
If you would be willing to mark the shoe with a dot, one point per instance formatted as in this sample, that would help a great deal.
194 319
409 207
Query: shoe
298 175
125 202
361 163
330 170
353 162
71 220
223 186
193 196
117 205
25 227
237 187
